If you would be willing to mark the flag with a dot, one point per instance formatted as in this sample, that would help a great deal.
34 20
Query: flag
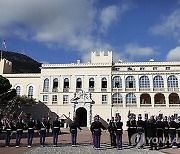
4 44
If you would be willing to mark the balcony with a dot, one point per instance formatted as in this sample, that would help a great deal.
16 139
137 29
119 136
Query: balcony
131 89
103 89
116 90
144 89
160 105
158 89
66 90
54 90
46 90
173 89
91 89
145 105
131 105
174 105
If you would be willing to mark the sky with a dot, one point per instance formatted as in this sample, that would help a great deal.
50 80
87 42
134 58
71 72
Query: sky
62 31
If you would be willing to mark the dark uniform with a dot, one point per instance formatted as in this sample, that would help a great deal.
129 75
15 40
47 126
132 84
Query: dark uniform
145 131
73 130
19 130
172 132
166 131
42 131
178 128
30 126
1 127
151 133
160 129
56 129
119 132
96 130
140 131
9 127
111 130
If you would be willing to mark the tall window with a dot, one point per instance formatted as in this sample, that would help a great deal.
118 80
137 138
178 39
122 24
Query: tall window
117 98
158 82
104 82
117 82
45 98
144 82
30 91
46 84
65 99
104 99
54 98
66 83
130 82
130 98
18 90
91 83
79 83
172 82
55 83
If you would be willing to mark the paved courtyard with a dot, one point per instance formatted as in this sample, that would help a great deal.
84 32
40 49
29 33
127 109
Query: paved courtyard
84 145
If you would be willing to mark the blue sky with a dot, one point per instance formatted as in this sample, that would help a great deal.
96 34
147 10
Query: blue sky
62 31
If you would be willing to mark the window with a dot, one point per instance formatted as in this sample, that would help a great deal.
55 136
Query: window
104 82
117 82
168 68
144 82
30 91
66 83
129 69
142 68
65 99
155 68
130 98
46 84
104 99
158 82
18 90
117 98
130 82
91 83
55 83
45 98
78 83
172 82
54 98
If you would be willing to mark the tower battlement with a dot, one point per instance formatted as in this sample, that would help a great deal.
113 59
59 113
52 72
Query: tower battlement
101 57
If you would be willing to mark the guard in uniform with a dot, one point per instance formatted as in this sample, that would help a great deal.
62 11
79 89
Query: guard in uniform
56 129
140 131
73 130
42 131
19 130
151 133
160 128
30 126
119 132
92 131
166 131
111 130
145 128
129 125
96 128
9 127
178 128
1 126
172 131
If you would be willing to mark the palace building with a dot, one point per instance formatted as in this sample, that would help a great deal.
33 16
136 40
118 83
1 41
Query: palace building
102 87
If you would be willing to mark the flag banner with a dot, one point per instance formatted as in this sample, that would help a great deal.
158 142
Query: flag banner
4 44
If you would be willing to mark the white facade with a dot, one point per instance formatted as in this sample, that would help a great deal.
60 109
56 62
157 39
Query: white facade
105 88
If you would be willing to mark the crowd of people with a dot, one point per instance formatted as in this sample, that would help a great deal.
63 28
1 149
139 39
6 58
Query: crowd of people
156 132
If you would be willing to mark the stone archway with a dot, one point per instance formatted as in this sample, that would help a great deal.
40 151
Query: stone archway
159 98
81 117
145 99
174 98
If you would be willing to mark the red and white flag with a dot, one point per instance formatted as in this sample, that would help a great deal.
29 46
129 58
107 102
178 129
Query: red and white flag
4 44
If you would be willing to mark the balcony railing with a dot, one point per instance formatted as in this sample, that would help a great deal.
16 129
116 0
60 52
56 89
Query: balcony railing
144 89
45 90
158 89
117 89
103 89
130 89
145 105
66 90
91 89
54 90
173 89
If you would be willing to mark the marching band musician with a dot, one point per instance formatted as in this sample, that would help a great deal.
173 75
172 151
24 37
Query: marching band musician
20 125
119 132
31 127
42 131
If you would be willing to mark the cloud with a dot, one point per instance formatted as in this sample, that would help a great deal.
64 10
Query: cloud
112 13
133 51
174 54
170 26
